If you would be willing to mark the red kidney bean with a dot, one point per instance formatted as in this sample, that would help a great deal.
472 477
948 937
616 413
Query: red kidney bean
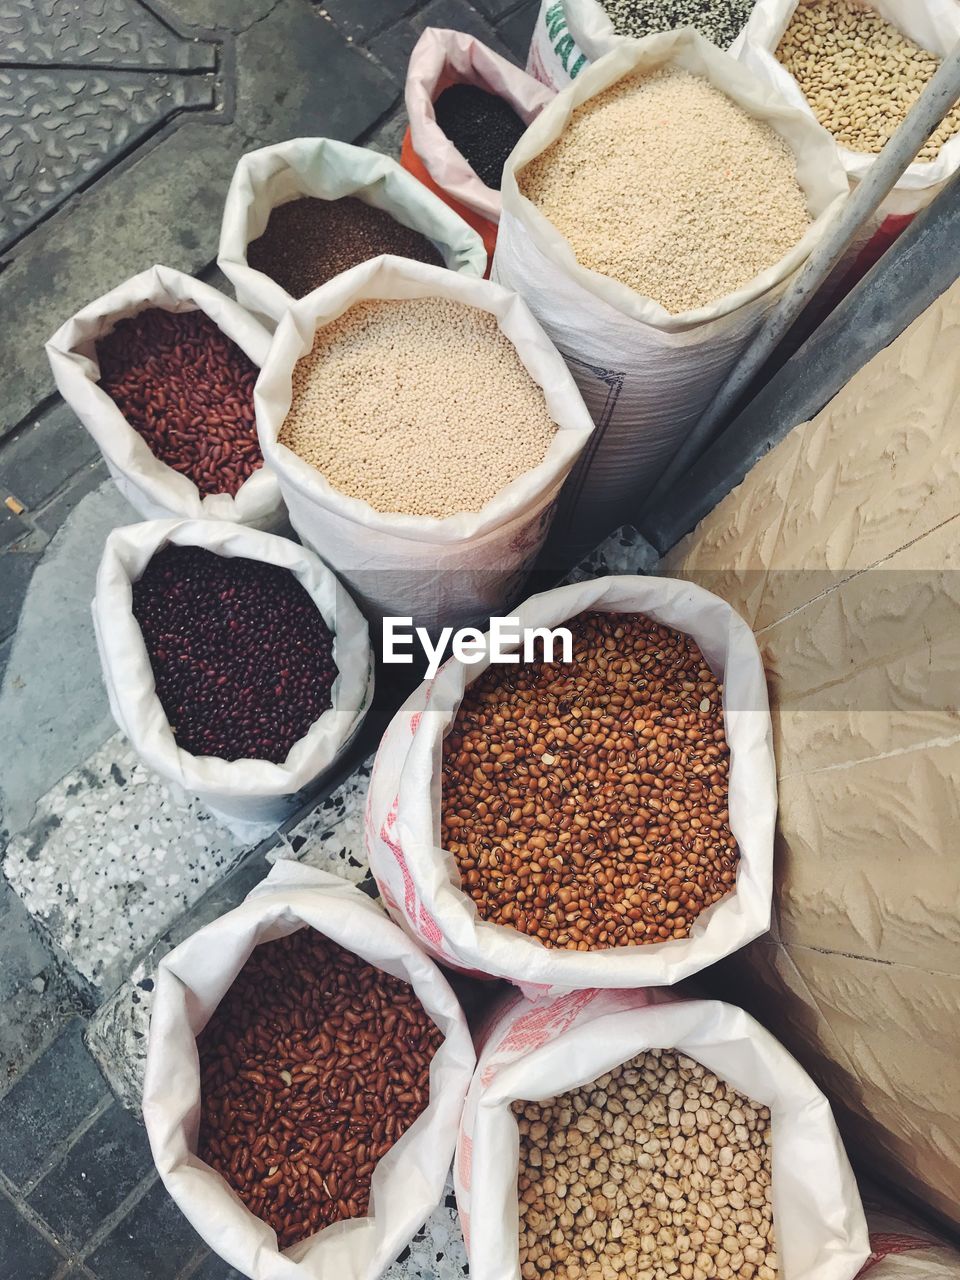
187 390
242 658
276 1082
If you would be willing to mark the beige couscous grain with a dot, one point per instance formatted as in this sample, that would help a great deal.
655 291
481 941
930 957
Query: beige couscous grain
658 1170
417 406
664 183
859 73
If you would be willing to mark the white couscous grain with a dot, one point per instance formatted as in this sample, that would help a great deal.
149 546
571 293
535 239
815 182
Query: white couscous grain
664 183
417 406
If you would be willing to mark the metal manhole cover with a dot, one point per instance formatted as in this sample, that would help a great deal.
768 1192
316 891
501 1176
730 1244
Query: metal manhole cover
83 83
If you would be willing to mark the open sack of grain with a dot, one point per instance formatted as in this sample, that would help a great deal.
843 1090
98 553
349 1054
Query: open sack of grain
857 68
632 1134
652 298
161 371
605 822
421 425
570 34
306 1071
235 662
301 212
467 108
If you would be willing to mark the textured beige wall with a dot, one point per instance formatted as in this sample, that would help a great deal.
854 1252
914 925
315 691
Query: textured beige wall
841 548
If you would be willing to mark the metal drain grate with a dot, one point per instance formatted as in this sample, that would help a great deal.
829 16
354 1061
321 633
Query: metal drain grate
81 85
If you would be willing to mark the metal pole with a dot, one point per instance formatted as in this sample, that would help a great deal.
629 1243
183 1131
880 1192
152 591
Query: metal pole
924 116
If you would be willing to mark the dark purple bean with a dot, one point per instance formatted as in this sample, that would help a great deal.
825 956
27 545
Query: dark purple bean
241 657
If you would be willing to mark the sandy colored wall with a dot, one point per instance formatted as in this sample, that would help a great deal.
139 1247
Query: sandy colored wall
841 548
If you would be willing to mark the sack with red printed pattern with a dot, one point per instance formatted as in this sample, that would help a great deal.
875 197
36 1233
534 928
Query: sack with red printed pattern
902 1249
537 1051
419 880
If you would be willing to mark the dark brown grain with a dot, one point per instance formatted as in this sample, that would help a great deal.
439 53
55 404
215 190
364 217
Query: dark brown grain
309 241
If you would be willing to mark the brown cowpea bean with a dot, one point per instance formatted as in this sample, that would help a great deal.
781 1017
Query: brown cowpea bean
274 1059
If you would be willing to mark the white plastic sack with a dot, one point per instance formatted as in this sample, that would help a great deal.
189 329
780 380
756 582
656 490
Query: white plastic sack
932 24
439 571
442 58
903 1249
647 375
241 791
569 35
555 58
149 485
537 1051
329 170
420 883
192 980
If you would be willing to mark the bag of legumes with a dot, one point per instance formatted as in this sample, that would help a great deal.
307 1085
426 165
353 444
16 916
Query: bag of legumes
570 34
441 59
158 489
245 793
325 169
647 372
610 913
408 1180
420 447
934 25
633 1133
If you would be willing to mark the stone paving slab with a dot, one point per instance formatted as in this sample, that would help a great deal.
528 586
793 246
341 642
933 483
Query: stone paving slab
53 706
113 855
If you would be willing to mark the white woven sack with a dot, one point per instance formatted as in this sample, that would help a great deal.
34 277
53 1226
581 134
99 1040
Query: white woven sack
932 24
155 490
647 375
239 791
192 979
442 58
569 35
419 880
554 57
537 1051
442 572
329 170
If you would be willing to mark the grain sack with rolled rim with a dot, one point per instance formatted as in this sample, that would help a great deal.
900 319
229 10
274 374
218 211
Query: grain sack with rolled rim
931 24
646 374
441 571
536 1051
421 882
408 1182
326 169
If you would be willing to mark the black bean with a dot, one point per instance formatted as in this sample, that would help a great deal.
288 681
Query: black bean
482 127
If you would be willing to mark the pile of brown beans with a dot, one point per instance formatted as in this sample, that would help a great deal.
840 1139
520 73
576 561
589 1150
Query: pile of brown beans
242 659
313 1065
187 391
656 1170
586 803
